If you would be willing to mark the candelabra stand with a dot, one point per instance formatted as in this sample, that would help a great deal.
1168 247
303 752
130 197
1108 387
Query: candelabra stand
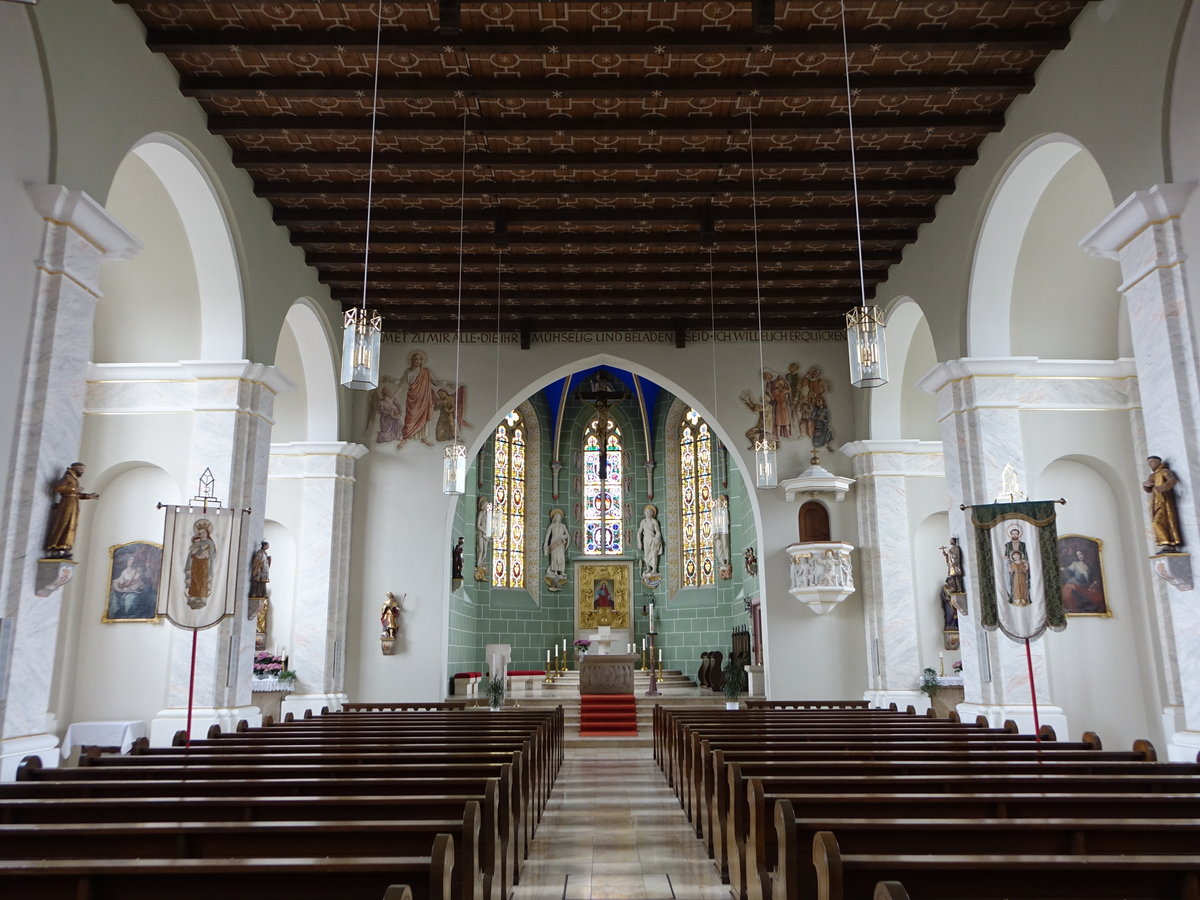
654 691
643 659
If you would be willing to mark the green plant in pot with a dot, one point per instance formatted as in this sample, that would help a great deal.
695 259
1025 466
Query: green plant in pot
929 682
734 682
492 689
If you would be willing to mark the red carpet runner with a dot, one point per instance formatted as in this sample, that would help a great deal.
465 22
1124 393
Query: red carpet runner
607 715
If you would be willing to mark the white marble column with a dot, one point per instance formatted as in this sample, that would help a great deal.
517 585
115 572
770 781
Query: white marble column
232 403
882 471
980 402
79 236
1144 235
323 476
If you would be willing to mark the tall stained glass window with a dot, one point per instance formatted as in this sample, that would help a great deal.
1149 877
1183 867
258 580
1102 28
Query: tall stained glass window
696 452
508 515
602 506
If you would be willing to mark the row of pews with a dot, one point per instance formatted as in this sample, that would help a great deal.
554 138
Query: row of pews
396 803
835 800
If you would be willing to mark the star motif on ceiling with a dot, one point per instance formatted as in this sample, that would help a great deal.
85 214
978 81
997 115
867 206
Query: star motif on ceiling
458 94
360 93
766 48
656 93
447 49
553 48
660 48
556 94
560 134
234 48
339 49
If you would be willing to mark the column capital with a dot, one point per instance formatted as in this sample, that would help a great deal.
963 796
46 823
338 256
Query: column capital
319 448
270 377
1139 211
91 221
918 459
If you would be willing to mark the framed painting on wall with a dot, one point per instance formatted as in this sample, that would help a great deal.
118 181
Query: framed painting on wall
1081 572
134 570
604 594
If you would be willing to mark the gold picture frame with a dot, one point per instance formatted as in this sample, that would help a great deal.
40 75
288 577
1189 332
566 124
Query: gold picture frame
134 570
1081 574
604 594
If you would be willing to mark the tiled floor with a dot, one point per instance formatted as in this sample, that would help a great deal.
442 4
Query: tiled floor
613 828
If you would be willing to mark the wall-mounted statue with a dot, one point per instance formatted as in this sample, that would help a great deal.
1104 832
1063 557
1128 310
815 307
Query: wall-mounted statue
751 561
456 560
954 567
651 544
64 515
555 548
1164 518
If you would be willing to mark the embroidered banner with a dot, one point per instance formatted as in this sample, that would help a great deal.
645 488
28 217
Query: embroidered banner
1018 568
202 550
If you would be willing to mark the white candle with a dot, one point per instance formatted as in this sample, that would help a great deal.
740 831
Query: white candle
547 656
564 645
643 645
660 654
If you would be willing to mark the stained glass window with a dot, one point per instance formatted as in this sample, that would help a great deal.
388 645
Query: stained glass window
508 499
696 454
602 509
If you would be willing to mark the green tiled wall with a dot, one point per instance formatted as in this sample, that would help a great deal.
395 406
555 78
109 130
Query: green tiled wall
692 622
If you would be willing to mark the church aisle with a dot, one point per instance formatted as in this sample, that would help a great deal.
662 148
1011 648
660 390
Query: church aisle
614 829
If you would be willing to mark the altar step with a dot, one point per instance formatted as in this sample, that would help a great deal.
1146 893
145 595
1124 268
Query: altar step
608 715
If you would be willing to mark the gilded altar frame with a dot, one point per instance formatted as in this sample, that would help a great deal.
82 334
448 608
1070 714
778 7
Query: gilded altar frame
592 580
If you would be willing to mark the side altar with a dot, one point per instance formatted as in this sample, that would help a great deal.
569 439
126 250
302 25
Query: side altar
611 674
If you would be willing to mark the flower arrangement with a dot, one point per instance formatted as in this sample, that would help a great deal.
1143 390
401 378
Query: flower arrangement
268 665
929 682
956 667
582 645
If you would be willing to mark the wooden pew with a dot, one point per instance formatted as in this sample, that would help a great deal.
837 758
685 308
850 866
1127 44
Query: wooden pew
314 878
749 825
221 840
74 800
796 877
987 876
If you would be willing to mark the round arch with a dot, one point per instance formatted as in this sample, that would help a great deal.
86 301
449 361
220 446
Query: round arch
207 245
1017 232
899 409
305 354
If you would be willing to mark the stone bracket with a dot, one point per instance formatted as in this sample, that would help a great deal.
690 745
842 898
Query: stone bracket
1174 568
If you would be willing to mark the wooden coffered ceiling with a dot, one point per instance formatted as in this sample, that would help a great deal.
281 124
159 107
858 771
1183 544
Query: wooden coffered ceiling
608 155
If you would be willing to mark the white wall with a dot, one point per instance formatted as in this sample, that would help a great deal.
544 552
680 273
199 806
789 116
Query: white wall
24 159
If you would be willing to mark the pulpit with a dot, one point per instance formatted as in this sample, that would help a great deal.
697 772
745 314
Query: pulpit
611 674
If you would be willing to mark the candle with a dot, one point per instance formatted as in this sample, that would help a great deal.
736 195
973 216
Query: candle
660 654
547 656
564 645
643 644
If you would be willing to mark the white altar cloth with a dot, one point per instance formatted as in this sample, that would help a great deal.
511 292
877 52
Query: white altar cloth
104 734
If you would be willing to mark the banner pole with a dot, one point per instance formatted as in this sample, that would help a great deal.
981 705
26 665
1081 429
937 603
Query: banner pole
192 690
1037 728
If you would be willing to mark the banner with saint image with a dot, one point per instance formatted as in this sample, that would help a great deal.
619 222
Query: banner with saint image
1017 545
201 560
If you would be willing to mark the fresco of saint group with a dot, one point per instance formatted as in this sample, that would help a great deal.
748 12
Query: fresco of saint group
795 406
416 407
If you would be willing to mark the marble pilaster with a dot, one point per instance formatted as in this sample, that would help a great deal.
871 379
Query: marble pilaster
323 474
231 408
882 470
78 237
979 405
1144 235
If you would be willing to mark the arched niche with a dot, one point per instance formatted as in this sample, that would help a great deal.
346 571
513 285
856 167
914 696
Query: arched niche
899 409
115 670
180 297
1033 291
304 354
282 593
1097 665
812 521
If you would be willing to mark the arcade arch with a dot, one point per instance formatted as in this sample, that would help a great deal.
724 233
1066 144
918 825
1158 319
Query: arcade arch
1032 288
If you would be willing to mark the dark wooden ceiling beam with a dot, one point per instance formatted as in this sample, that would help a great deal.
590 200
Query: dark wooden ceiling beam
1038 39
723 260
207 87
434 283
646 298
600 321
496 191
646 159
782 242
587 126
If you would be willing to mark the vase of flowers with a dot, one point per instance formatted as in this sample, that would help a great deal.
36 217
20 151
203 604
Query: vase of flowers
269 666
581 647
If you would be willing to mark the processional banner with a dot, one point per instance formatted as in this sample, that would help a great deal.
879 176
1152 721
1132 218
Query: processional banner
202 551
1017 546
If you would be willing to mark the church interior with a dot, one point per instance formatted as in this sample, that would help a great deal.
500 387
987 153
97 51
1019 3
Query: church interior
362 352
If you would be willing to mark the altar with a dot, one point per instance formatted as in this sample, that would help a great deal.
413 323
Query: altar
611 674
605 638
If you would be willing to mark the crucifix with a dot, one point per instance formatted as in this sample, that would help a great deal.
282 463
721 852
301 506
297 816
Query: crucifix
601 392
